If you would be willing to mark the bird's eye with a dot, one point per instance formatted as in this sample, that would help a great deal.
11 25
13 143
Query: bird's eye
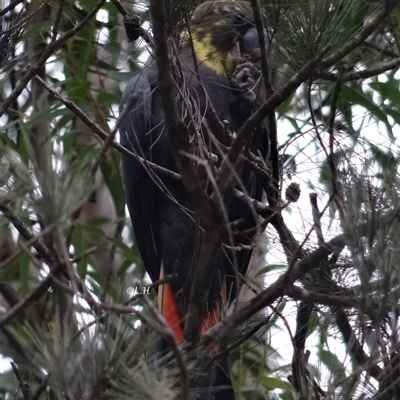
239 19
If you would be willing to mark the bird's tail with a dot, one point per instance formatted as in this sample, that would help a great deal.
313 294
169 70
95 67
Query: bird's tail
213 380
169 309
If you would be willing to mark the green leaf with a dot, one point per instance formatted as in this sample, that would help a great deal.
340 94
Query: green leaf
271 383
80 244
23 270
284 107
332 362
385 159
395 114
387 90
295 125
4 224
269 268
113 179
357 98
106 98
289 162
131 256
275 316
313 323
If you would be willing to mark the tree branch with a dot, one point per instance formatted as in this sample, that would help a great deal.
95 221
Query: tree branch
272 293
53 45
299 293
208 210
354 345
369 27
364 74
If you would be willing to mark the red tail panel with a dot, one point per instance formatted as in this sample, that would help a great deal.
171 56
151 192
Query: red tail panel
210 320
169 309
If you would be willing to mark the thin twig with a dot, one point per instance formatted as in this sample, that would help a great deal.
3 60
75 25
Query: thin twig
53 45
370 25
378 69
54 29
10 7
28 300
26 233
25 389
29 242
299 293
119 7
313 120
272 293
95 128
331 157
23 20
255 5
354 346
316 218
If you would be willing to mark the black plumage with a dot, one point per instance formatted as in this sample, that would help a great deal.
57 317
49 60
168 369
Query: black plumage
163 229
166 228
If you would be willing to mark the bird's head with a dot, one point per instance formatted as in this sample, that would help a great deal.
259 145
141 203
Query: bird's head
215 28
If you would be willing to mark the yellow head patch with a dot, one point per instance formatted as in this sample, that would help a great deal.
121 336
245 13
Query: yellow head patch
215 27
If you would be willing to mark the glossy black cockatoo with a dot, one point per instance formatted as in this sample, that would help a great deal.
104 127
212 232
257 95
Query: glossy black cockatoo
168 235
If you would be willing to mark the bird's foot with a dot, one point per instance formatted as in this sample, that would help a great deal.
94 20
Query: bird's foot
245 78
